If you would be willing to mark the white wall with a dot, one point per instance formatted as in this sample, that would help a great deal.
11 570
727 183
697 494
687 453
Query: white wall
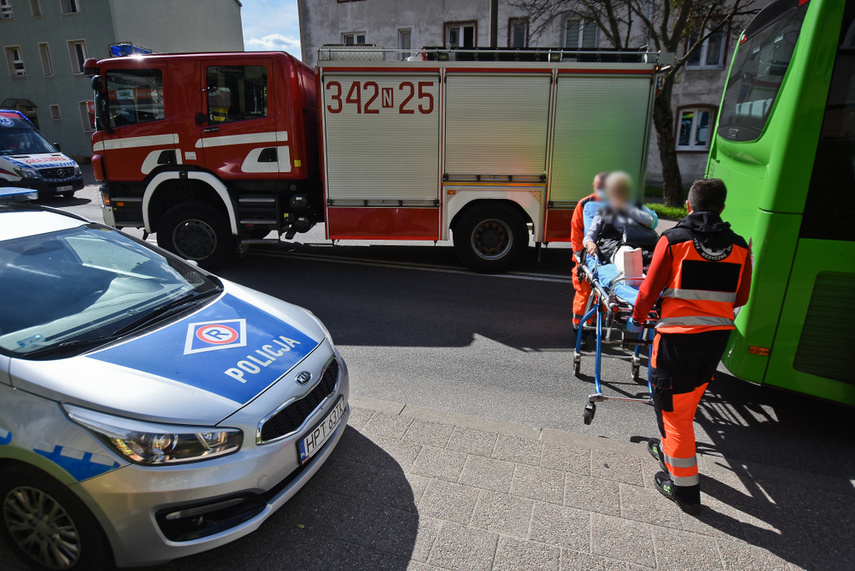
179 25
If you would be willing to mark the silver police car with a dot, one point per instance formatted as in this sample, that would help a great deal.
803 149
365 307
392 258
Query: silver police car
148 410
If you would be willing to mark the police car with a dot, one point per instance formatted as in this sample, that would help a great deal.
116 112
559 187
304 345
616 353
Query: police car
28 160
148 410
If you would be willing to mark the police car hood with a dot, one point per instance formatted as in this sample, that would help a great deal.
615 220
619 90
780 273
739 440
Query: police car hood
196 370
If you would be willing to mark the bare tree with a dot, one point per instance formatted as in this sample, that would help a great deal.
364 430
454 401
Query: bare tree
661 25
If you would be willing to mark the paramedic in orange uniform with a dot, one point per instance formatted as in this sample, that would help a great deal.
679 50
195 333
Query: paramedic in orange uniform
702 270
577 236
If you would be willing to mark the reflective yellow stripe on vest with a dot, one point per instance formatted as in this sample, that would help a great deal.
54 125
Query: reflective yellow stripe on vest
694 320
700 295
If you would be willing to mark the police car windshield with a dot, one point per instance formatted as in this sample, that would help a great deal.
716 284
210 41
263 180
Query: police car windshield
23 140
64 288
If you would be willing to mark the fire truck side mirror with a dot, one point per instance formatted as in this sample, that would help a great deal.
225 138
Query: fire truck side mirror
97 84
201 118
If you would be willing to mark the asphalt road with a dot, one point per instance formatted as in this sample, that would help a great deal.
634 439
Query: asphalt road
415 327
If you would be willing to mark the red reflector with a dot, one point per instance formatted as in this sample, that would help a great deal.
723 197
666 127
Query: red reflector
758 350
742 39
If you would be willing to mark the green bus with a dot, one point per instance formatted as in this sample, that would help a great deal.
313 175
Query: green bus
785 147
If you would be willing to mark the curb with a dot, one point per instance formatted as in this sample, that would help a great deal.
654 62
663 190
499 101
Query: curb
707 463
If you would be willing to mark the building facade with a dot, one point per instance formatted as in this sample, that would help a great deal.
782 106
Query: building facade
45 42
407 25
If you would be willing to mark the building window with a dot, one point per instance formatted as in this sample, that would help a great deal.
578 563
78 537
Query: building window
580 33
518 33
461 34
694 128
87 115
47 63
15 61
54 112
135 96
710 55
6 12
405 43
77 54
353 38
236 93
36 8
70 6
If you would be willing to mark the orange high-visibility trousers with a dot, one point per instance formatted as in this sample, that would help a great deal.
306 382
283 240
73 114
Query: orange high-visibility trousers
580 299
678 444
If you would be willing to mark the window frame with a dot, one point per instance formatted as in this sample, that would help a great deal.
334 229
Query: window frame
10 61
518 20
461 24
268 111
62 4
704 49
697 108
83 108
6 8
582 23
355 36
51 108
156 72
76 66
401 50
36 8
44 50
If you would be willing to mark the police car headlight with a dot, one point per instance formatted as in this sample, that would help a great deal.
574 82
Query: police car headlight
157 444
26 172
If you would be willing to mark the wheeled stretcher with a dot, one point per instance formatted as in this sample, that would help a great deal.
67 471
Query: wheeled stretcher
610 305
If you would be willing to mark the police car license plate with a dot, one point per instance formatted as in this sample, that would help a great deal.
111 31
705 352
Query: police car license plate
317 436
64 188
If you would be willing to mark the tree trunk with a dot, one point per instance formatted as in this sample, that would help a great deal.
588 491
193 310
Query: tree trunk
663 122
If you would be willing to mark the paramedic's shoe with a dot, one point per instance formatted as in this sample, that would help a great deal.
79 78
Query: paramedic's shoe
654 446
663 483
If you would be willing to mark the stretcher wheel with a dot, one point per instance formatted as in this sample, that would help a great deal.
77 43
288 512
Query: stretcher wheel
577 367
590 411
636 370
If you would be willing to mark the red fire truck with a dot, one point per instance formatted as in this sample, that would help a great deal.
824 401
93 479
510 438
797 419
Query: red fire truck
210 151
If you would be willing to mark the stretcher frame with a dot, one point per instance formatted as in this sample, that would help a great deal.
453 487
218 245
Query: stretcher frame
606 306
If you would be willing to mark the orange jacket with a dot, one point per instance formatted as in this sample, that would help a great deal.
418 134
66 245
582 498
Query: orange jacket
577 223
702 270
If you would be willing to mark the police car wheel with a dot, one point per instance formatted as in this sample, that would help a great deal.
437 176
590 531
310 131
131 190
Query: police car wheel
490 238
196 231
47 526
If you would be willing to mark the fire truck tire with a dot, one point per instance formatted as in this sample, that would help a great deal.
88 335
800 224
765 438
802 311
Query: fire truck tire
47 526
196 231
490 239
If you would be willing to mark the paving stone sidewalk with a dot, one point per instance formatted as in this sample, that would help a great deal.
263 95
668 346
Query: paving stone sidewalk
418 489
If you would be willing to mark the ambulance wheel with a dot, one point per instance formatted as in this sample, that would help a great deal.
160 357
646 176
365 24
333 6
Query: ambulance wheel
47 526
490 239
196 231
590 411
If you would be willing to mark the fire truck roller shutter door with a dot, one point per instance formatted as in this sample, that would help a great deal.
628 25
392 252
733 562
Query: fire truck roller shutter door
216 185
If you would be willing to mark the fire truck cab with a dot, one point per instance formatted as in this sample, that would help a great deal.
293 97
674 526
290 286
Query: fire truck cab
212 150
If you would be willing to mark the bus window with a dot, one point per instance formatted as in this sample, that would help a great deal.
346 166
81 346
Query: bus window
830 207
757 74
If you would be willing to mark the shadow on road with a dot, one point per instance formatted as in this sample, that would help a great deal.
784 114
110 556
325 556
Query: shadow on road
358 512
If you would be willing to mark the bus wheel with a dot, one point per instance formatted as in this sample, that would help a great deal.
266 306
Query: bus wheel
47 526
490 238
196 231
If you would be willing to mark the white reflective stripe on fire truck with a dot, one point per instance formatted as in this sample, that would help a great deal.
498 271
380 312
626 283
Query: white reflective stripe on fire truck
251 163
225 140
209 179
151 160
134 142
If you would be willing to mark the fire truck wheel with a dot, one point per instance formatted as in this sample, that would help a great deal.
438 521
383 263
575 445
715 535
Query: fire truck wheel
196 231
47 526
491 238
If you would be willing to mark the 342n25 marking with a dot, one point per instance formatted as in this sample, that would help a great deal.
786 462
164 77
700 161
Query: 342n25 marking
368 97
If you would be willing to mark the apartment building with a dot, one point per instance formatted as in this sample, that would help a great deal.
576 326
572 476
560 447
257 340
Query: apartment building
45 43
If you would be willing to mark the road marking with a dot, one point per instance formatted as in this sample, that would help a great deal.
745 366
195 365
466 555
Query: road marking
411 266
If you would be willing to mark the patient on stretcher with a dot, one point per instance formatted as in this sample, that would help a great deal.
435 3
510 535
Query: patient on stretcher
615 220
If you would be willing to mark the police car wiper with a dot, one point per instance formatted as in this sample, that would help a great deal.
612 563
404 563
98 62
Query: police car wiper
66 346
164 311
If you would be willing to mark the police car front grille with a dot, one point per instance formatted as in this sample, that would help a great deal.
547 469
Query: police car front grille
295 414
57 173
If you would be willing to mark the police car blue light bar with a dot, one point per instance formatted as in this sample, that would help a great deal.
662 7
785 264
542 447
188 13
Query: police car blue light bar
10 194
